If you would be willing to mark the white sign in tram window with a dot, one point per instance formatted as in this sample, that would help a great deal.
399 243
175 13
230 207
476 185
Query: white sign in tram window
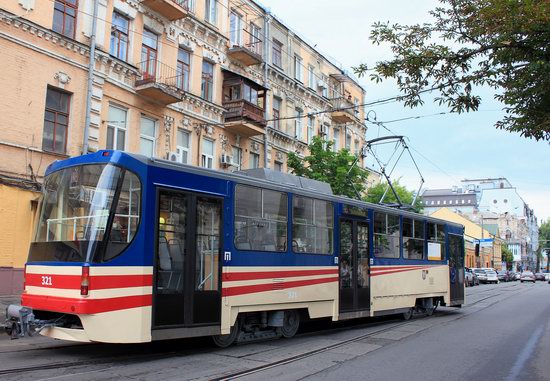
434 251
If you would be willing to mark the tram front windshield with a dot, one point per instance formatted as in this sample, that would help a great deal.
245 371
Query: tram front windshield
88 213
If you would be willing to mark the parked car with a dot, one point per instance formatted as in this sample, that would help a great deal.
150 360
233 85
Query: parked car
481 275
540 276
492 276
512 276
527 276
468 277
503 276
518 276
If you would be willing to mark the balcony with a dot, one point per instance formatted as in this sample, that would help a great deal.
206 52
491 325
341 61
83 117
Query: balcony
244 118
245 47
171 9
159 82
343 111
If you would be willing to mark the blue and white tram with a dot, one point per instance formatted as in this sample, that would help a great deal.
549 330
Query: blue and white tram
131 249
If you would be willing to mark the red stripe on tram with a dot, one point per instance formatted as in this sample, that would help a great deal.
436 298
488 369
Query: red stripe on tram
275 274
84 306
255 288
97 282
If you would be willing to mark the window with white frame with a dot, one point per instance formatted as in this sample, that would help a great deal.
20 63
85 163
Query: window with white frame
311 77
336 140
207 154
237 157
235 29
254 160
148 136
211 11
183 144
310 128
298 69
348 140
116 128
298 124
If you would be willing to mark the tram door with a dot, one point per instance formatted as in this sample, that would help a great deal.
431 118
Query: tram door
354 266
187 265
456 268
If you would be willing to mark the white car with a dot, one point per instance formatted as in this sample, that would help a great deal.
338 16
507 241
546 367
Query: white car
492 276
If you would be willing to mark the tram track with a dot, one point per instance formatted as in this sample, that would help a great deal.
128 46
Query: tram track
133 358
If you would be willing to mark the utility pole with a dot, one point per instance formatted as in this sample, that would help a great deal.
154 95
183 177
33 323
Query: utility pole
91 71
266 83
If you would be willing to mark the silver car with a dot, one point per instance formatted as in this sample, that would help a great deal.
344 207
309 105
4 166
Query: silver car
481 275
527 276
492 276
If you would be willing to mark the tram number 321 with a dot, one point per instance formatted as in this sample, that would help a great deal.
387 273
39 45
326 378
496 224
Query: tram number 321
46 280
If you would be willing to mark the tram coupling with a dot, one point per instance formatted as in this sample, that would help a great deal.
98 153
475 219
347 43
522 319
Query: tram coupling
21 322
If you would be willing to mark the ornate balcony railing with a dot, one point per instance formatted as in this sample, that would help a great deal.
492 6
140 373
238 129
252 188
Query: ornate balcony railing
160 81
245 47
242 109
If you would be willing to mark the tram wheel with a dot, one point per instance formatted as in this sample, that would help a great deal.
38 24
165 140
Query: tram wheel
409 314
224 341
291 323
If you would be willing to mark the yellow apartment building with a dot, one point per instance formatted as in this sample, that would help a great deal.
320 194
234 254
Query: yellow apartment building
488 256
220 84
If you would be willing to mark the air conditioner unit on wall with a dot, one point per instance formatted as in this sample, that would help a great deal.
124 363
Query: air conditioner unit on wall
226 159
174 156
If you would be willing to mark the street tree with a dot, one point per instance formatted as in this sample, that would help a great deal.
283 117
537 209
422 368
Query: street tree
335 168
544 241
503 44
507 256
375 193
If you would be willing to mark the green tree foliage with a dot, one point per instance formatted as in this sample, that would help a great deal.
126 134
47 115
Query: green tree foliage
375 193
499 43
507 256
544 235
325 165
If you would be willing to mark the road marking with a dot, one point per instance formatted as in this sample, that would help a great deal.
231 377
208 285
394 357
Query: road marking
525 354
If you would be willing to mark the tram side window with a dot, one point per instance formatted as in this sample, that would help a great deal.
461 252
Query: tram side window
261 217
126 219
413 239
386 235
436 241
312 225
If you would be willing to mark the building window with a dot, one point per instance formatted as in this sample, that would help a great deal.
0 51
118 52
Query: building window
56 121
276 113
148 136
254 160
310 128
64 17
207 154
255 41
149 54
116 128
207 83
336 140
235 30
182 145
298 133
311 77
211 11
277 53
119 36
278 166
348 141
184 68
298 69
237 157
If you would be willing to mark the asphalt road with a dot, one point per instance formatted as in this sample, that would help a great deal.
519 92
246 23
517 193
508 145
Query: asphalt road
503 333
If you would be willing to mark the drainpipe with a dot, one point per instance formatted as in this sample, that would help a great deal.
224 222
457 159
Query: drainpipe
91 69
266 74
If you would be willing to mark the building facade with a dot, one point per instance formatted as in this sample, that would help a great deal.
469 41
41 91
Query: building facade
219 84
493 202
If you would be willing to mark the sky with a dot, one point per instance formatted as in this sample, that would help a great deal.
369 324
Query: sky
447 148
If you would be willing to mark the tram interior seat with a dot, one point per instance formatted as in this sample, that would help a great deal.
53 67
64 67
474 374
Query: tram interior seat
168 278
